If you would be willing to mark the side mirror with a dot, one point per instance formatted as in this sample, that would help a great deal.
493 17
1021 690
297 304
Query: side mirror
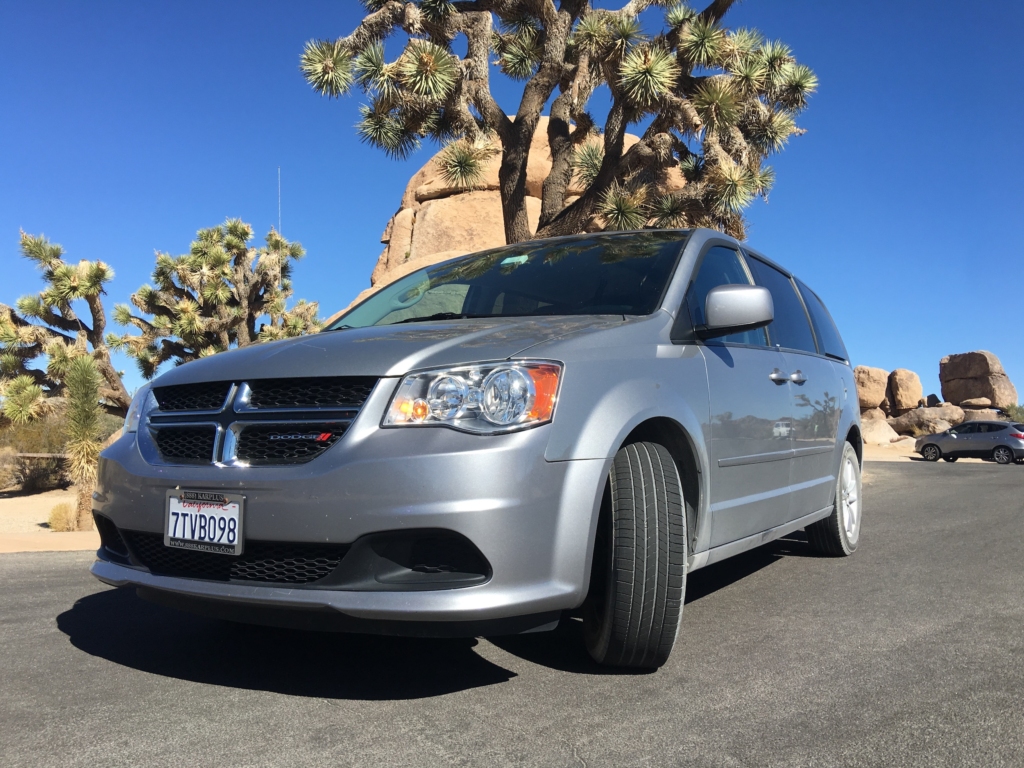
735 308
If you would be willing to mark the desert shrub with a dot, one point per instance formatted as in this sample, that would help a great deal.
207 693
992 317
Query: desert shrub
38 475
63 518
1015 412
42 435
9 476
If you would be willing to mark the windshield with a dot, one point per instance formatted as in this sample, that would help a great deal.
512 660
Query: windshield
607 274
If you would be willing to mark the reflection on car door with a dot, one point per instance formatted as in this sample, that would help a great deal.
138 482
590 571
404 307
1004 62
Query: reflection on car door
813 386
750 458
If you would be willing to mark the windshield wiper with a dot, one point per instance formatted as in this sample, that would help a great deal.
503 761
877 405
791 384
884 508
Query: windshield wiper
441 316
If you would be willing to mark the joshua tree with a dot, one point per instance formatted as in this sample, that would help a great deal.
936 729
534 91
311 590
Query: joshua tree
712 102
213 298
83 433
47 325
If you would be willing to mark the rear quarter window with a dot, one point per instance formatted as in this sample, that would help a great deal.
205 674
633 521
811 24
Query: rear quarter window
790 328
829 340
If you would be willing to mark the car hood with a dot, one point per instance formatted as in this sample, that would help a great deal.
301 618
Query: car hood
390 350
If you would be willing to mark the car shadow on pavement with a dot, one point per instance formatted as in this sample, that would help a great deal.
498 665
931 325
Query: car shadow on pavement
124 629
564 649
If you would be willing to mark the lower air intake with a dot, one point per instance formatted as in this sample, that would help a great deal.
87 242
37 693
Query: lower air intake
262 561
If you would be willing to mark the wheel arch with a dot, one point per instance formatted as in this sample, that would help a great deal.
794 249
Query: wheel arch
853 437
671 434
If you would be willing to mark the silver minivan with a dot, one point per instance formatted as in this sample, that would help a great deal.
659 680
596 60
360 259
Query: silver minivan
560 428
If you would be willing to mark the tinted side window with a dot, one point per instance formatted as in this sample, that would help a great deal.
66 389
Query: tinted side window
993 427
824 327
966 429
720 266
790 328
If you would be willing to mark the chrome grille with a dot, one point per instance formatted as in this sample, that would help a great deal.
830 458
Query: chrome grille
208 396
265 422
334 392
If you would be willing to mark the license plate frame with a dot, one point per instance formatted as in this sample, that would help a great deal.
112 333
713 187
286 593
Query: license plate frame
184 512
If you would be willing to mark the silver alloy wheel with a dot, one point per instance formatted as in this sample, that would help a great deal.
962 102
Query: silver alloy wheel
930 452
849 490
1002 455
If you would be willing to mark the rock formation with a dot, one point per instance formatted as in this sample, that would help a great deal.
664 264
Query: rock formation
927 421
983 414
904 391
871 387
878 432
973 375
974 387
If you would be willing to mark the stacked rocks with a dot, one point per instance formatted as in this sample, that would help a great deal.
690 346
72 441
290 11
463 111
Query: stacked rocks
977 383
974 387
883 394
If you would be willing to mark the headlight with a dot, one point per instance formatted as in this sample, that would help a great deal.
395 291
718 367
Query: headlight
142 403
489 398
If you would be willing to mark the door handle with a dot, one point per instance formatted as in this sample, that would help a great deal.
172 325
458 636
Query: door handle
798 377
778 376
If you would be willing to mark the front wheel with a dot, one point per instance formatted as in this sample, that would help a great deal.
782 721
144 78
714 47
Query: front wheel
638 577
1003 455
838 534
931 453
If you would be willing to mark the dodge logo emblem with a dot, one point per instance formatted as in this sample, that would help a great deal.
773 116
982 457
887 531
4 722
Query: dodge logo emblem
321 437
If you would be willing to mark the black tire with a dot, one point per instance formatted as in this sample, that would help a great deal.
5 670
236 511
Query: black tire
950 459
835 535
931 452
638 578
1002 455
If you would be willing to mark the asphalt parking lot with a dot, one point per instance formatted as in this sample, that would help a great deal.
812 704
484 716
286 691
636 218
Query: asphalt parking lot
909 653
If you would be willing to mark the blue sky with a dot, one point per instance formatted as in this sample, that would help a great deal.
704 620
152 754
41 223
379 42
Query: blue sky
127 126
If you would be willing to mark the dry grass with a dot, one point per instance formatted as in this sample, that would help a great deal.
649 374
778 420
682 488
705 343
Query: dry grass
63 517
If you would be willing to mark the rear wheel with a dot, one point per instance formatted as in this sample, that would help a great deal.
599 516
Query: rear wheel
838 534
1002 455
950 459
638 578
931 452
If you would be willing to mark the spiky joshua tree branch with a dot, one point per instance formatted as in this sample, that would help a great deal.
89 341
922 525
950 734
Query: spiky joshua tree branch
223 293
47 326
713 103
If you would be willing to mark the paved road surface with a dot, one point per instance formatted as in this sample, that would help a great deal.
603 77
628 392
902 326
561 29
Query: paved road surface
909 653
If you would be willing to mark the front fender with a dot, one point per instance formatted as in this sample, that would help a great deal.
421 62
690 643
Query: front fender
598 407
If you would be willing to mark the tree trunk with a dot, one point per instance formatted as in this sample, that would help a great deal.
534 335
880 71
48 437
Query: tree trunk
574 218
558 179
512 180
83 516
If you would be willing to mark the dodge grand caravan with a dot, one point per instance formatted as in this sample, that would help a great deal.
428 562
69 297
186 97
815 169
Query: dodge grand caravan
491 444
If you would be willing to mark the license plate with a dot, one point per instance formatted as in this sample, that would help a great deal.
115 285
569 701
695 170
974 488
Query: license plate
206 521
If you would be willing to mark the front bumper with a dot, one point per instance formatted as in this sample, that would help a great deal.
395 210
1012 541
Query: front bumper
532 520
